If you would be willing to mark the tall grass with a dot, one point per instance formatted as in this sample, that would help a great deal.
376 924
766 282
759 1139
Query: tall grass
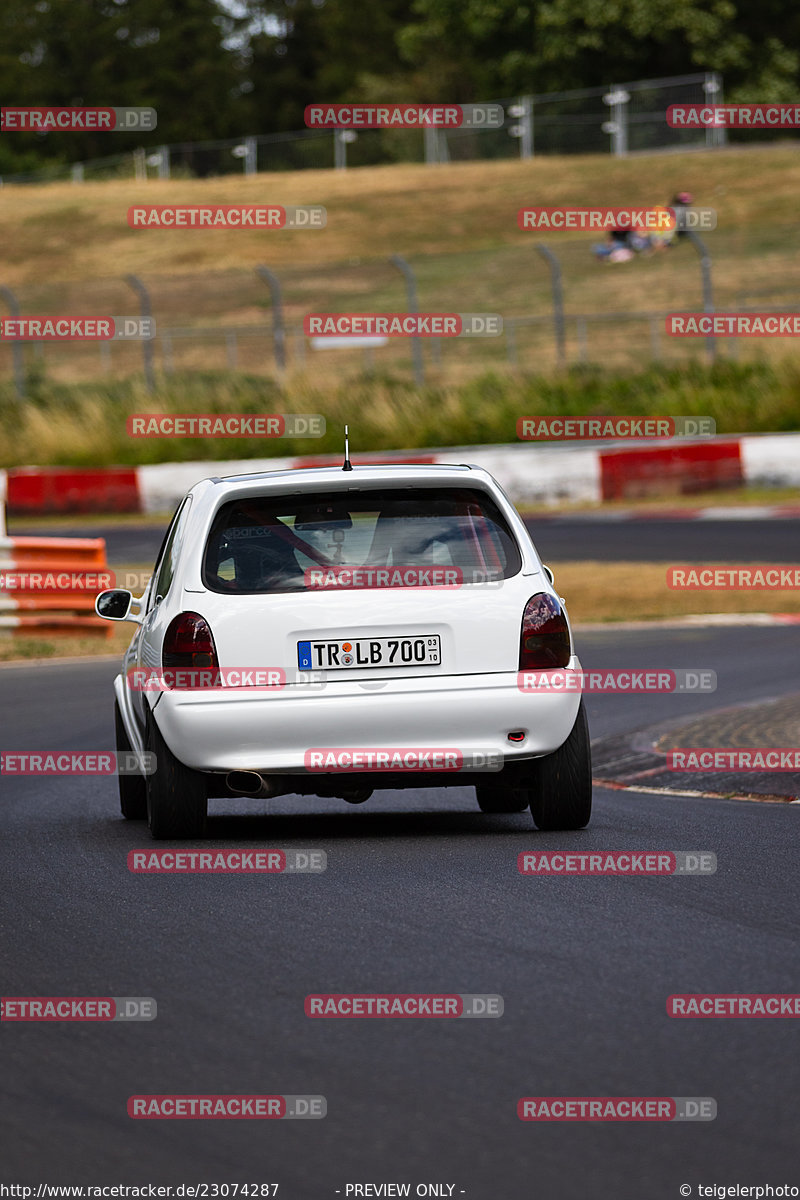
80 425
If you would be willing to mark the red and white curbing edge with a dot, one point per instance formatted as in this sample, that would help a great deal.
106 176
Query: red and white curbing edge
534 475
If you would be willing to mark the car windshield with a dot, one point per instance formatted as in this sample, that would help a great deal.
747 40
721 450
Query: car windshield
275 543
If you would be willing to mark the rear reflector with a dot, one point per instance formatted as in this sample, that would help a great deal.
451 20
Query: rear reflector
544 639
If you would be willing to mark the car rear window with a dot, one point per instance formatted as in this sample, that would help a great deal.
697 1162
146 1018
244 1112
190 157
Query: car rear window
266 544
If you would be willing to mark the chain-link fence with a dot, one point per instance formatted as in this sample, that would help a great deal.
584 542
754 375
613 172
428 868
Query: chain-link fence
612 314
621 118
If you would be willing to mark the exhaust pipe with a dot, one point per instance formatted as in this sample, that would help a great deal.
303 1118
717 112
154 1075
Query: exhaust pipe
245 783
250 783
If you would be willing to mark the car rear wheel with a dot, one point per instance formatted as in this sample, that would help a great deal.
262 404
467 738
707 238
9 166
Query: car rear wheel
560 784
501 799
132 791
177 797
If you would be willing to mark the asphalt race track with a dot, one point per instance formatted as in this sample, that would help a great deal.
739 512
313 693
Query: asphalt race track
650 540
421 894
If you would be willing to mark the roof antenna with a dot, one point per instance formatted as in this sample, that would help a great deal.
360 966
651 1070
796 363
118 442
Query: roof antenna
347 464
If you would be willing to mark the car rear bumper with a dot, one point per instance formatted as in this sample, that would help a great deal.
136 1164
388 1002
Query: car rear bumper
275 732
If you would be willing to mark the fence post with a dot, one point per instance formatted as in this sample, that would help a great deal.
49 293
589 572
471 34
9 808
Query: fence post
523 109
436 150
278 331
713 90
300 346
617 100
161 160
16 345
655 338
558 301
581 328
167 364
413 307
510 330
708 295
146 309
342 138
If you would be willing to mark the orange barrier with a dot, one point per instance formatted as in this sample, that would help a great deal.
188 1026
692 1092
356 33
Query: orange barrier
54 604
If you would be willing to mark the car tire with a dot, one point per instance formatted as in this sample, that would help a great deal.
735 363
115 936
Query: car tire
560 784
177 796
132 790
501 800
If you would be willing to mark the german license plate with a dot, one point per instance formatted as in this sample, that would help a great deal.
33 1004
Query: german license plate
352 653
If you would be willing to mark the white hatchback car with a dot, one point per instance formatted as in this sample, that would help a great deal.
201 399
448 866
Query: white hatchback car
363 628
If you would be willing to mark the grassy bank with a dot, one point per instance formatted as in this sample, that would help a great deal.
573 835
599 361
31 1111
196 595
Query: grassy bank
85 425
67 250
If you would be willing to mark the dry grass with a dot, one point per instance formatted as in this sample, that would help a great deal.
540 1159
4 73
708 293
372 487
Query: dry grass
621 591
722 498
15 647
73 232
67 248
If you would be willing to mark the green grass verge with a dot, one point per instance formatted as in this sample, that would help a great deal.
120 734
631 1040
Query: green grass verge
85 425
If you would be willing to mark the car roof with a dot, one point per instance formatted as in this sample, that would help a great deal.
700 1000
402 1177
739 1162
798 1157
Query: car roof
335 473
316 479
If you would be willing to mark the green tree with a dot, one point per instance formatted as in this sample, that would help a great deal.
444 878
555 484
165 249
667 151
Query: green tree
167 54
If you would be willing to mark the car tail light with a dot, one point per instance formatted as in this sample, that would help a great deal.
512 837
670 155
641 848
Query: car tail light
188 643
544 639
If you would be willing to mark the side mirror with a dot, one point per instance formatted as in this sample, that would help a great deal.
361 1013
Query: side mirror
548 572
115 605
